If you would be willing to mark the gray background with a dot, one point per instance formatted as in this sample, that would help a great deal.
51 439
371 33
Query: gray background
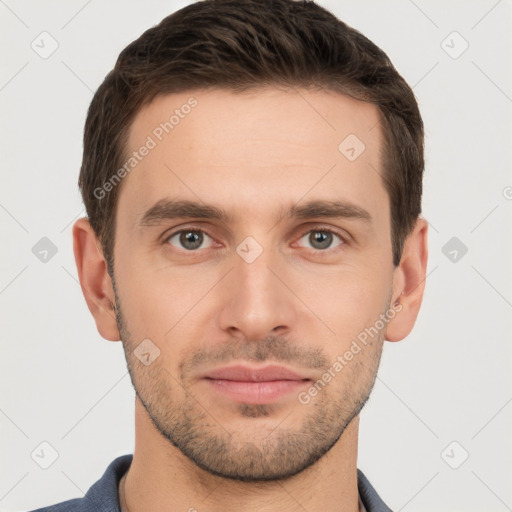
450 381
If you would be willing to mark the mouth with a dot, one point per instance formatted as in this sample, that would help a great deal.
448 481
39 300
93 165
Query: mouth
255 385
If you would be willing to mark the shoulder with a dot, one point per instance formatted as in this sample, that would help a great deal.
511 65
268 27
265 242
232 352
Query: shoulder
74 505
369 496
102 495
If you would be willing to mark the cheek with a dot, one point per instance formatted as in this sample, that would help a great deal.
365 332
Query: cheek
159 305
172 304
347 301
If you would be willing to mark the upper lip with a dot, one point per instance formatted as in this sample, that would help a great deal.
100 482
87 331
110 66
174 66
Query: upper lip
247 374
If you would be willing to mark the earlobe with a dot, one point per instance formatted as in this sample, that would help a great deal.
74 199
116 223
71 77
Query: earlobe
94 279
409 283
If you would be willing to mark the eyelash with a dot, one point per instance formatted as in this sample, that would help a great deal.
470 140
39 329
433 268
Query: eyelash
325 230
344 239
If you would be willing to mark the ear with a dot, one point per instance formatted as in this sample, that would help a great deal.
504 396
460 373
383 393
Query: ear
409 283
94 279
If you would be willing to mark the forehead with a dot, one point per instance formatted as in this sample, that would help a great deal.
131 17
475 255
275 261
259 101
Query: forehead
253 150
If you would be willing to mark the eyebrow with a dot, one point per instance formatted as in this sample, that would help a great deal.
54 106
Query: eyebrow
168 209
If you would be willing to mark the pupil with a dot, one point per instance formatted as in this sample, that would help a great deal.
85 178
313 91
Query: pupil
321 239
191 240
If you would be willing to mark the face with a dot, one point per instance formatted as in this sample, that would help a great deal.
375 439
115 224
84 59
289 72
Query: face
249 239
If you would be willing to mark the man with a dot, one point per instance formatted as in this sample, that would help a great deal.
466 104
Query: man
252 175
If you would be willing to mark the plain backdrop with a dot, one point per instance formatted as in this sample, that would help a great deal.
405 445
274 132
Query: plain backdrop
435 434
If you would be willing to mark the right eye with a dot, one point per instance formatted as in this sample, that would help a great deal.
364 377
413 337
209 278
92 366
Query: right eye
188 239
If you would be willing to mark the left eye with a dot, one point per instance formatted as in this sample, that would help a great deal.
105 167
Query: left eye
321 239
190 239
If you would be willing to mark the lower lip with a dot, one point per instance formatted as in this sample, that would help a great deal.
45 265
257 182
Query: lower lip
256 392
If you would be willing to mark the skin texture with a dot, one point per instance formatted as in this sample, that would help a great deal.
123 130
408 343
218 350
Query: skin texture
300 304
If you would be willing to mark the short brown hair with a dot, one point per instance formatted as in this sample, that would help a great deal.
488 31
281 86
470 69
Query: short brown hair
242 44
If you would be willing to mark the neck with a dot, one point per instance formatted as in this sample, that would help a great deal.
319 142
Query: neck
160 475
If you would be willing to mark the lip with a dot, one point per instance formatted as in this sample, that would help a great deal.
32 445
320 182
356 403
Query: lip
246 374
255 385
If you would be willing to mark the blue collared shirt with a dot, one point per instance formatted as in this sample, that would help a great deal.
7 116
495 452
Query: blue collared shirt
103 496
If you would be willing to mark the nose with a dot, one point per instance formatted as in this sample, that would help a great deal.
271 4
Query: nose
257 300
